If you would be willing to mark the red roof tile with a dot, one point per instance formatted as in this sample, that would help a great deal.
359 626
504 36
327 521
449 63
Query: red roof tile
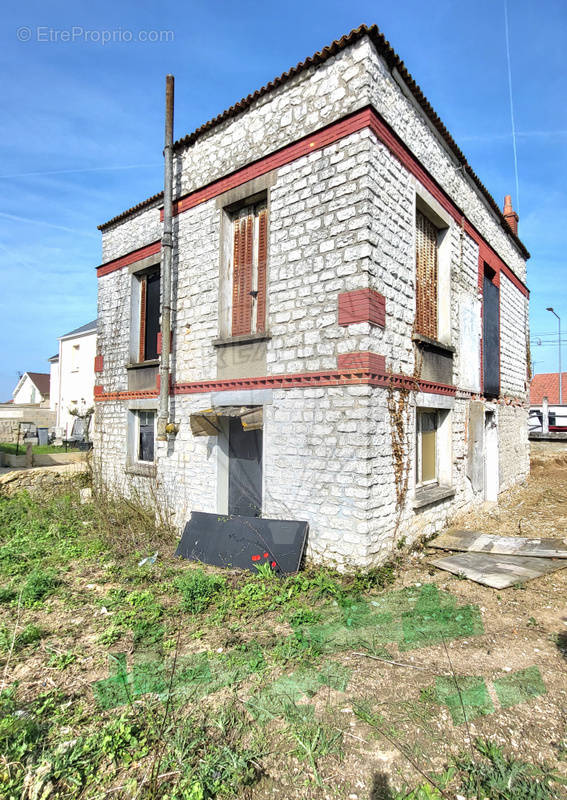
547 385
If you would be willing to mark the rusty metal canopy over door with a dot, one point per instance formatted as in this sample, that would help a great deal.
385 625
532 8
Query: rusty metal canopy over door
208 421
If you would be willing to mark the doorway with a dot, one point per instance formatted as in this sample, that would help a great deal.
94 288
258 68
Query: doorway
244 470
491 472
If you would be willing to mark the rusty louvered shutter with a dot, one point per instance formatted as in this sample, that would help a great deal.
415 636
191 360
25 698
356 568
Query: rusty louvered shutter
242 275
426 277
262 268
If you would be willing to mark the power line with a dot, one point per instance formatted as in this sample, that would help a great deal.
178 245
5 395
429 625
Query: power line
517 203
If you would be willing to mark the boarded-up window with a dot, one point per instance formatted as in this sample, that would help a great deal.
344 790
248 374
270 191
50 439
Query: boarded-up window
491 335
426 279
149 316
249 270
426 455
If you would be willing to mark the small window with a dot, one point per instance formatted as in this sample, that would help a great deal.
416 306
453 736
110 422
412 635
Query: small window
149 315
146 435
426 455
249 265
426 278
75 356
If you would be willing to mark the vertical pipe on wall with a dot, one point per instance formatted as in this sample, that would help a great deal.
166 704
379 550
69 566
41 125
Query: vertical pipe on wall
166 254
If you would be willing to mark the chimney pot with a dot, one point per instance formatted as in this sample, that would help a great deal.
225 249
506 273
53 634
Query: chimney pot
510 215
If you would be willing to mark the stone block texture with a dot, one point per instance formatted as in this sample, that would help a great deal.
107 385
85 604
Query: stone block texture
341 299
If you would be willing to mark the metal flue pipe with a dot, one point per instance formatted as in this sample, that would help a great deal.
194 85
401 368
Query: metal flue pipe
166 257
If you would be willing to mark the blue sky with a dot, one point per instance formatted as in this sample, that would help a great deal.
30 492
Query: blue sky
82 127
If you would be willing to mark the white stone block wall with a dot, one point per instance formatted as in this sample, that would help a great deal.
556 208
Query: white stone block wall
340 218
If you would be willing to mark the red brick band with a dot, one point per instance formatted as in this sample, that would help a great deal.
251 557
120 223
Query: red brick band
365 375
366 118
362 305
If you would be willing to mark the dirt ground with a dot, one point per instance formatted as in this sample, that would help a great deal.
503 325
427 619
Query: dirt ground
392 722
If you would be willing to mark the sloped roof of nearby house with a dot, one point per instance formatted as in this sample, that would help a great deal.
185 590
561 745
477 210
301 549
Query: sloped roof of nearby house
547 385
394 62
54 358
90 326
41 381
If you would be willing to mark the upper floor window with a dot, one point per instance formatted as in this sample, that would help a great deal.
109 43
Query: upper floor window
75 357
249 266
491 333
427 277
149 315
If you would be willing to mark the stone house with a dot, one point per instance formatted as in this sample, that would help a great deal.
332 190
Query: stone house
350 317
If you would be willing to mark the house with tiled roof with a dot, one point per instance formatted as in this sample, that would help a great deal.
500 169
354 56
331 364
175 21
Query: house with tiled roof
32 389
349 317
544 390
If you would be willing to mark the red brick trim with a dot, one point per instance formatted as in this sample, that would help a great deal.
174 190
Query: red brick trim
98 363
301 380
366 118
308 144
159 342
129 258
372 362
362 305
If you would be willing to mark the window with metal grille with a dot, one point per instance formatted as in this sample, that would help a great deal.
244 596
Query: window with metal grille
249 265
426 279
146 435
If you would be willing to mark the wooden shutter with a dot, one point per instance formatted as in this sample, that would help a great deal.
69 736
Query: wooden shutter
426 277
242 275
262 269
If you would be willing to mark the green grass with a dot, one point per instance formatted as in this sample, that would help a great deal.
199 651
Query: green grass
39 449
210 673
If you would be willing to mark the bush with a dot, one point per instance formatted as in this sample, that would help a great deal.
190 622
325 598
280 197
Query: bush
198 589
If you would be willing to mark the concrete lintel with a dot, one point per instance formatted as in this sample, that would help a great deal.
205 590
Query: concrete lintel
428 400
245 397
143 404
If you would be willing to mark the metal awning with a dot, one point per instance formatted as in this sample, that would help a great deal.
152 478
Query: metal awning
208 421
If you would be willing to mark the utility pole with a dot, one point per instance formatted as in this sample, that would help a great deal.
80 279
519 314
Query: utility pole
559 355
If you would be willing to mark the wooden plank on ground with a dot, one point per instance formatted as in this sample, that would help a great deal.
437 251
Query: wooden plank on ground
477 542
498 571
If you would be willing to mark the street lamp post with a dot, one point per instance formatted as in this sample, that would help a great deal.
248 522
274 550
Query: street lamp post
559 353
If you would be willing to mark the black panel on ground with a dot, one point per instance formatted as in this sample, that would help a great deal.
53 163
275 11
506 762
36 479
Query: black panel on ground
244 470
491 338
244 542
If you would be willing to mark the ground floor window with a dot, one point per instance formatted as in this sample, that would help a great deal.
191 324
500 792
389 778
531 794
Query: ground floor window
427 424
146 436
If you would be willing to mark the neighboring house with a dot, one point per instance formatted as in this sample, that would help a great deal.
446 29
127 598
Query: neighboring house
32 389
28 409
350 317
546 385
72 376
